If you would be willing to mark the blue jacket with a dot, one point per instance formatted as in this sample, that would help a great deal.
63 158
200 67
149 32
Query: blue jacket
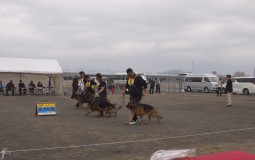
1 86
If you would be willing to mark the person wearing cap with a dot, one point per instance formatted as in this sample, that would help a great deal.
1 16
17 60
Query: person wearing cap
102 92
10 87
229 90
22 88
31 87
81 82
137 87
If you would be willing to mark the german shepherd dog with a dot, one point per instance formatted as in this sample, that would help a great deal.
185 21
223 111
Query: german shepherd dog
81 99
109 110
141 110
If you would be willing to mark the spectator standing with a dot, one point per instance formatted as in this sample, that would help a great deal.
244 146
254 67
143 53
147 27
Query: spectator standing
219 88
1 87
31 87
157 81
75 85
137 87
81 83
229 90
152 85
10 87
22 88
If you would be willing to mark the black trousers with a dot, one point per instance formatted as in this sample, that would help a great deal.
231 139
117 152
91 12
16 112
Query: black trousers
7 91
219 91
102 102
152 89
158 89
75 89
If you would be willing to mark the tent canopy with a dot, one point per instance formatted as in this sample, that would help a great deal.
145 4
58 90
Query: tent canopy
26 65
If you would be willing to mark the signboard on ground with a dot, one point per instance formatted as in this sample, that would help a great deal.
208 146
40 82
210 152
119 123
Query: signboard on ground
45 108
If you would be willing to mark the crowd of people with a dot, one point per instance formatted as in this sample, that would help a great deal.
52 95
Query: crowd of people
31 89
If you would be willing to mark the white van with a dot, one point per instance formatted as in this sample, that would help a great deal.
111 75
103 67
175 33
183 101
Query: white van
200 82
242 85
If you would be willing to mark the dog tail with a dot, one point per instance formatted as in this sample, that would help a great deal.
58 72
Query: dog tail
159 117
117 110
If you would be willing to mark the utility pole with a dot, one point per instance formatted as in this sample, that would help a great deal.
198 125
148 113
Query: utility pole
192 67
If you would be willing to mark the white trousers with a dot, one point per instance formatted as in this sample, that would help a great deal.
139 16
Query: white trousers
229 98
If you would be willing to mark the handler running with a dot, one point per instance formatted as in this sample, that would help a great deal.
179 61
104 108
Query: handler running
137 87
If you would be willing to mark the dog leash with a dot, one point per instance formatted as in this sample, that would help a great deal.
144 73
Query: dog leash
123 100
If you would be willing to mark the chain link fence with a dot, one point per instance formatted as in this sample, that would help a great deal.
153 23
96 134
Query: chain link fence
167 85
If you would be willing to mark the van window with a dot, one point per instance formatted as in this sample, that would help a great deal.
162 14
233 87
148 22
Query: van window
188 79
244 80
206 79
193 79
213 79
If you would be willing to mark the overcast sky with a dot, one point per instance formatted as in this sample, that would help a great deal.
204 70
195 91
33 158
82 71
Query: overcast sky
147 35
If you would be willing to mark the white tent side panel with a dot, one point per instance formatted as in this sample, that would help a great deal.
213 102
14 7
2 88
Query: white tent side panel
35 70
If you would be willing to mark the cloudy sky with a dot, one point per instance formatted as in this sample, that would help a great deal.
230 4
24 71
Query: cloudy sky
147 35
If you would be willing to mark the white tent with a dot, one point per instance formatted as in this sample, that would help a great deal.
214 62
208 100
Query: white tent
47 71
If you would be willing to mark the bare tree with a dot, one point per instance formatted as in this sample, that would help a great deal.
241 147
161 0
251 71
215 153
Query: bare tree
239 74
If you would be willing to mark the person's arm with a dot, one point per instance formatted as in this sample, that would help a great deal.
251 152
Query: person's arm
143 83
102 89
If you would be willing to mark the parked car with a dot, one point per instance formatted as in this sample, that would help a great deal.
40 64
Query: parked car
200 82
242 85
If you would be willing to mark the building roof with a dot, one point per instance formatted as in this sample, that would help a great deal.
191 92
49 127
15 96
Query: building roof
26 65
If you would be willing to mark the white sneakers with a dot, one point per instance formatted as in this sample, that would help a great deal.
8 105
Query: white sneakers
132 122
135 122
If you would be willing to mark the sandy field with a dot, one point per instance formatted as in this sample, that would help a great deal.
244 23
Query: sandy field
190 120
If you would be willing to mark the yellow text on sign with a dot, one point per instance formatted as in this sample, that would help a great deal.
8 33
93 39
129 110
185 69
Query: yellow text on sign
46 105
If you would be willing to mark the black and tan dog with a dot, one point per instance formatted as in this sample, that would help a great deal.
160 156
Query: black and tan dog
110 109
81 99
141 110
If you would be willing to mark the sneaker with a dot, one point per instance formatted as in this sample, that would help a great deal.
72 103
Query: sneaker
133 122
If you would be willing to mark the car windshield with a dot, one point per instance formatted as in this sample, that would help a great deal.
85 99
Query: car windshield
214 79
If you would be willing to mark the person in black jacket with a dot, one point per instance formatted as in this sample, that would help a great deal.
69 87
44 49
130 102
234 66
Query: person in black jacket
75 85
22 88
137 87
10 87
229 90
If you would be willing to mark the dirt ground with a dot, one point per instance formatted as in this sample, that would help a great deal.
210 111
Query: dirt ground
185 114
